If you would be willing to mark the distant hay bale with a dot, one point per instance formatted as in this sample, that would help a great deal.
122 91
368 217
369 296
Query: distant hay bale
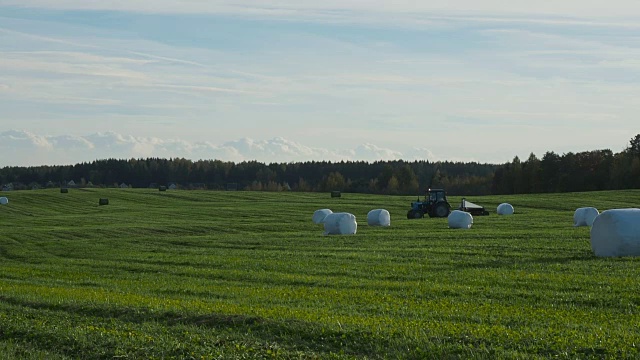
336 194
585 216
64 190
505 209
340 224
162 188
460 220
320 215
616 233
4 201
379 217
103 201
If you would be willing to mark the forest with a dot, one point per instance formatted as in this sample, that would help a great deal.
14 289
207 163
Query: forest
568 172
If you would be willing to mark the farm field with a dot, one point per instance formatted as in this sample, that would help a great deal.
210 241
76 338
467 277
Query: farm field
247 275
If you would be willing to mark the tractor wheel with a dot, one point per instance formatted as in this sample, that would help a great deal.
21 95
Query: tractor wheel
441 211
415 214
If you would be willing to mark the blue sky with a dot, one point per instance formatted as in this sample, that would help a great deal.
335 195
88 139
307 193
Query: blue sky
286 80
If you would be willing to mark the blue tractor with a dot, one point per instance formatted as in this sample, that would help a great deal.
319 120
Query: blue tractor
435 204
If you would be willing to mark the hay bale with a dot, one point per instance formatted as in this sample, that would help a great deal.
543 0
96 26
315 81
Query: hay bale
379 217
319 215
460 220
616 233
336 194
4 201
64 190
103 201
505 209
585 216
340 224
162 188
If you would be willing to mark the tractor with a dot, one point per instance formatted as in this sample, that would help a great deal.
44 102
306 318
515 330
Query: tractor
435 204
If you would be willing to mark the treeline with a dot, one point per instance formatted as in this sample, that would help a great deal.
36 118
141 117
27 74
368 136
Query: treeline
583 171
382 177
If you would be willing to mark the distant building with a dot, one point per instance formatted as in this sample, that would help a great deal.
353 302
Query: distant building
124 186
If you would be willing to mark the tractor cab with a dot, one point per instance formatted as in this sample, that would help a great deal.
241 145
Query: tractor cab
435 204
436 195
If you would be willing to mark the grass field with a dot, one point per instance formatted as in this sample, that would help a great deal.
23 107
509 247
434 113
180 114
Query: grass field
237 275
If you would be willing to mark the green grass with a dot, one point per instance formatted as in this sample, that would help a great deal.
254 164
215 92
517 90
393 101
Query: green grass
237 275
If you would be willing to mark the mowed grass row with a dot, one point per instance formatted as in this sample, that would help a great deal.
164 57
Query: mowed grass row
202 274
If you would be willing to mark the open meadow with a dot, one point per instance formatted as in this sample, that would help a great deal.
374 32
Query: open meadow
237 275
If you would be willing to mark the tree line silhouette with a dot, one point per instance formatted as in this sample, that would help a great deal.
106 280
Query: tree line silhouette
582 171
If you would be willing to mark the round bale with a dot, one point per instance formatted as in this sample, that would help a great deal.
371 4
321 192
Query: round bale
616 232
505 209
340 224
4 201
460 220
319 215
585 216
379 217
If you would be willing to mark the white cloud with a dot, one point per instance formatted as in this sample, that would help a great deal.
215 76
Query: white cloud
69 149
371 151
420 153
67 142
23 140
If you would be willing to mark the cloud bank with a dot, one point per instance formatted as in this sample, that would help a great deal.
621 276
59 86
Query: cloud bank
23 148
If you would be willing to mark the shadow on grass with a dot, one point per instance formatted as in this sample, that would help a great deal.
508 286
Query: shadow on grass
294 335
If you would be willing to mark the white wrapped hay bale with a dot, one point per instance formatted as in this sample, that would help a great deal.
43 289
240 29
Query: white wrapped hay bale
616 233
319 215
340 224
4 201
505 209
379 217
460 220
585 216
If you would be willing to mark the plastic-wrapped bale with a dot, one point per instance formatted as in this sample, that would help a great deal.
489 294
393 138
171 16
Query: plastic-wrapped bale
4 201
505 209
340 224
379 217
319 215
460 220
585 216
616 233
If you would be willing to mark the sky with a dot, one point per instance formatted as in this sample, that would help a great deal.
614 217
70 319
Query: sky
298 80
